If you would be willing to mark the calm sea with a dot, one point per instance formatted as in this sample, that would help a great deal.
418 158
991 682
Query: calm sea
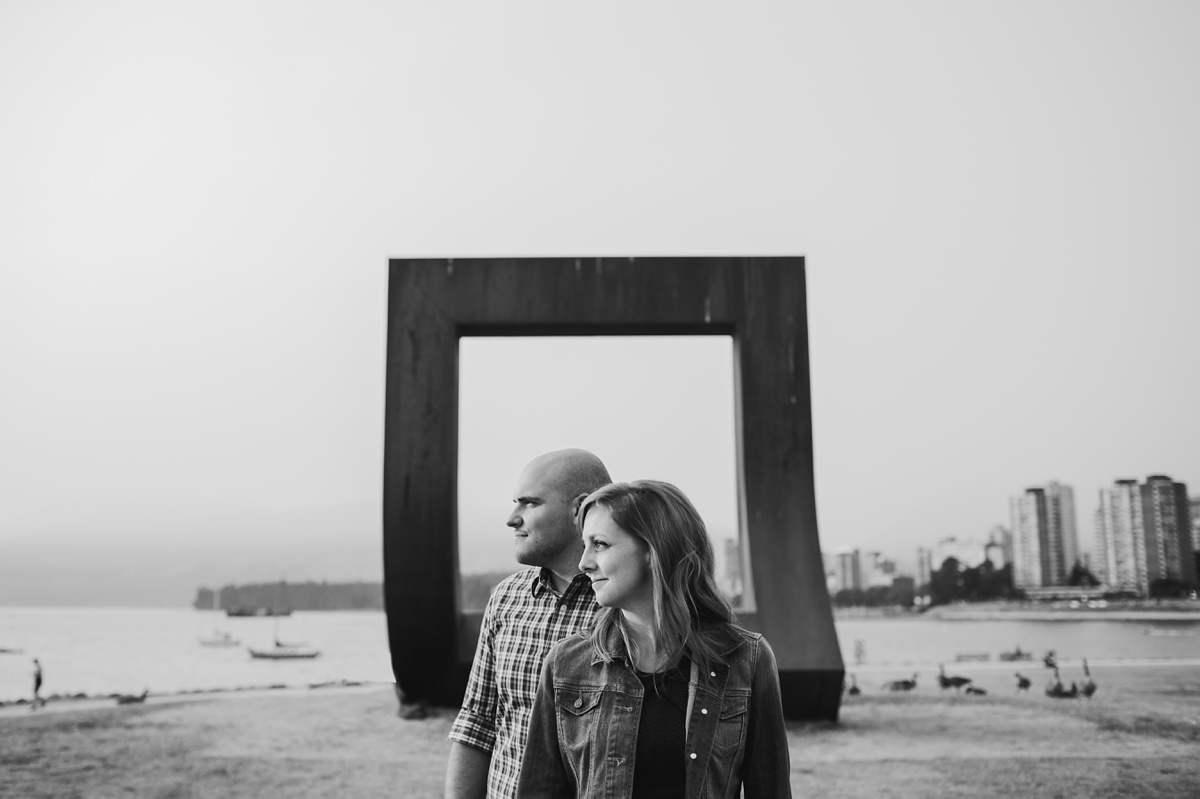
99 651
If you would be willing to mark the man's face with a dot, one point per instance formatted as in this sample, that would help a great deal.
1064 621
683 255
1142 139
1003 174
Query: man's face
543 520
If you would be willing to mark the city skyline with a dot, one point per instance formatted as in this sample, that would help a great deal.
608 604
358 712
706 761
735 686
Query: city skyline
1143 533
996 206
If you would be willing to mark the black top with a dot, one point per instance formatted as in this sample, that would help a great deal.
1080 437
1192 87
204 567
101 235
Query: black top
660 762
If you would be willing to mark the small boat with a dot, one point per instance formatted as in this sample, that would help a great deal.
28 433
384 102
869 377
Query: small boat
282 652
968 656
1016 654
240 611
220 639
4 651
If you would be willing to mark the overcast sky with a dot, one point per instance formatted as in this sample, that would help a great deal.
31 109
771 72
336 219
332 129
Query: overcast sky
998 206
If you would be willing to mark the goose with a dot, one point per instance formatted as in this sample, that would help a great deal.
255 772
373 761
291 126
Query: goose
1023 682
1055 689
854 689
975 690
1089 686
901 685
951 682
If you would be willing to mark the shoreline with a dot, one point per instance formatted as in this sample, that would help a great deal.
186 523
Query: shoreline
1082 614
84 701
1032 611
1136 737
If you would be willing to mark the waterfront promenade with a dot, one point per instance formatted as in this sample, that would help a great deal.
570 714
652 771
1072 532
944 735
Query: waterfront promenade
1064 610
1137 737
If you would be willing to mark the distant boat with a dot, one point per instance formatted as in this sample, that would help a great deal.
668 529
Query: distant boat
1016 654
283 651
220 638
4 651
242 611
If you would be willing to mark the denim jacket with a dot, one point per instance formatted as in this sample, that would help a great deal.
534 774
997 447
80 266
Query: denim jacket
584 730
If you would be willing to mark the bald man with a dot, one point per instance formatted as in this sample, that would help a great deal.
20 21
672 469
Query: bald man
527 614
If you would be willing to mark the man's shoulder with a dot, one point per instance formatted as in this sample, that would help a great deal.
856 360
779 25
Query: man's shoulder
520 580
514 586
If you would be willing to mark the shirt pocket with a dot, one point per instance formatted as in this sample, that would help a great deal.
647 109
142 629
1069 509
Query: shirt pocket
731 725
578 711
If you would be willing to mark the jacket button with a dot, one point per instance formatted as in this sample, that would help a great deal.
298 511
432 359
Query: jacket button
712 674
579 702
693 755
704 710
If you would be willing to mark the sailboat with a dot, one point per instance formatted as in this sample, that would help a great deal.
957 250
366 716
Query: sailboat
220 638
284 650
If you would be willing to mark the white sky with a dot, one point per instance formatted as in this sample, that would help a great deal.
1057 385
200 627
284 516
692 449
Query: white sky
998 204
656 407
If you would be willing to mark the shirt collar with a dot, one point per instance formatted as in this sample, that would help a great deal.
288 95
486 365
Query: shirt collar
543 580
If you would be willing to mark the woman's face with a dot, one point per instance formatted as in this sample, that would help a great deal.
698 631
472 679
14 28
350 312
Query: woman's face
617 563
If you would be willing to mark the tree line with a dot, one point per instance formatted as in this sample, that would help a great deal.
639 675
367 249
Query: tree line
474 590
955 582
293 596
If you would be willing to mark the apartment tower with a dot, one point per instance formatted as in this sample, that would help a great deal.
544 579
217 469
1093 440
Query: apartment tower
1168 524
1045 544
1144 535
1120 539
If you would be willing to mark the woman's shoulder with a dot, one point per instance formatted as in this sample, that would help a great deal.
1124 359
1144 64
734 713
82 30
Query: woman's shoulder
729 637
575 645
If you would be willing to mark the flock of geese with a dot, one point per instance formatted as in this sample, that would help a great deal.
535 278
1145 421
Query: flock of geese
1055 689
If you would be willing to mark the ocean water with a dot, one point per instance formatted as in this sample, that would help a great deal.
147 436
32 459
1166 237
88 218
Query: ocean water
99 651
922 643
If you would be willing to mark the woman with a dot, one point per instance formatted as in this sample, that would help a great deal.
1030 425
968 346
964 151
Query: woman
664 696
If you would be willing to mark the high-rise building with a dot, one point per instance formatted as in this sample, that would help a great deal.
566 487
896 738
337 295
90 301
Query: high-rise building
1194 506
1120 541
1145 534
998 549
924 567
1167 520
1045 544
731 580
830 563
848 570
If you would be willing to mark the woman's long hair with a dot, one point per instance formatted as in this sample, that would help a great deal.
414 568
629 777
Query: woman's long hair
691 615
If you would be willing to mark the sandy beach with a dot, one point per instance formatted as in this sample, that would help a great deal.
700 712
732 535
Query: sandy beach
1139 736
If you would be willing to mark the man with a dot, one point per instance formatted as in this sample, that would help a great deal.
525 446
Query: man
37 685
527 614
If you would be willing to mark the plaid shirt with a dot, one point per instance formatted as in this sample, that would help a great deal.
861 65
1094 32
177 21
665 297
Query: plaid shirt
523 619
